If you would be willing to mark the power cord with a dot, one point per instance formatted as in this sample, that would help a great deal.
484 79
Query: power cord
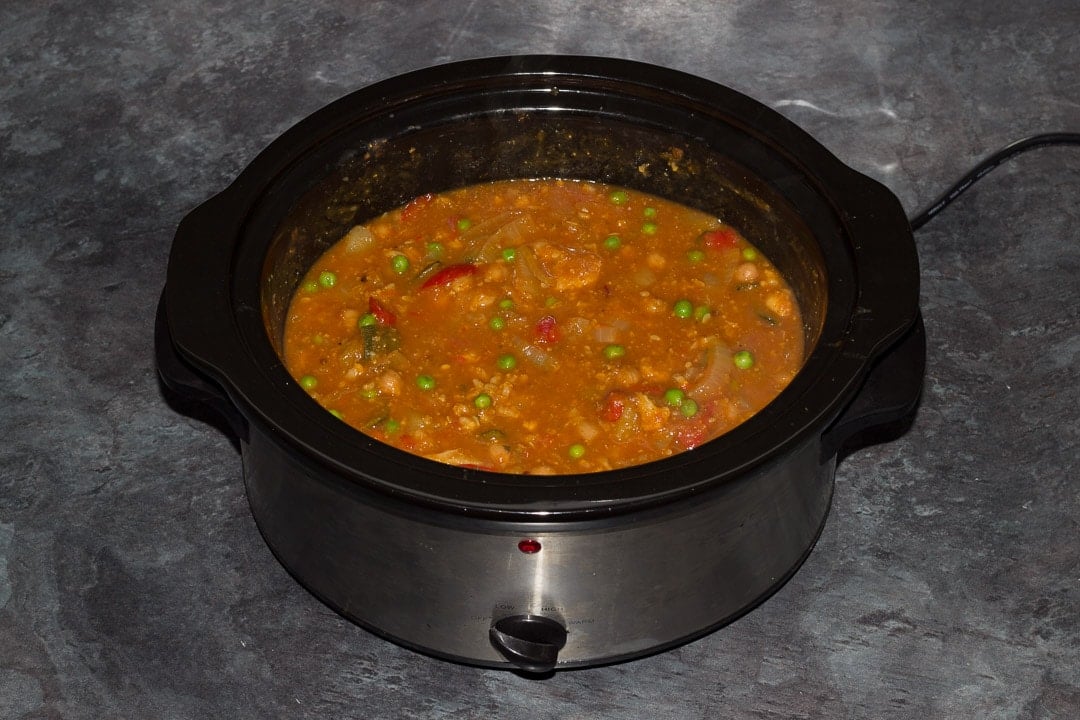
991 162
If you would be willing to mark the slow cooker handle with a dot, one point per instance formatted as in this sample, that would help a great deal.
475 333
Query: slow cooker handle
187 383
885 405
531 642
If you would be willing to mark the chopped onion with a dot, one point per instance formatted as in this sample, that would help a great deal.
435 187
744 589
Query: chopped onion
588 431
455 457
709 380
537 356
532 265
605 333
577 325
485 240
359 239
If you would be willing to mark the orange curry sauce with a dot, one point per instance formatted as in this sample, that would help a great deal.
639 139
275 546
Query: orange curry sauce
543 326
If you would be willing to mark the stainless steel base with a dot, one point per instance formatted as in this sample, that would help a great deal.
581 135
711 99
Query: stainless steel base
621 587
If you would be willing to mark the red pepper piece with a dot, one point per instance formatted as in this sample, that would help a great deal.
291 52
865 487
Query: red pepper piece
382 313
547 329
720 238
415 205
449 274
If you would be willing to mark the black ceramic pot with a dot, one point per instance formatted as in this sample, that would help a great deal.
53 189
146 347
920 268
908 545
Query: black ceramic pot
616 564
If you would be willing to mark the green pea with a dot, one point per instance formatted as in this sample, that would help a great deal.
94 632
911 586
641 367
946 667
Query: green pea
327 279
749 254
399 264
311 286
369 393
482 401
434 250
464 224
674 397
391 426
507 362
509 254
649 212
688 408
649 228
367 320
336 413
682 309
308 382
576 451
506 304
702 313
744 359
613 352
612 242
497 323
619 197
695 255
425 382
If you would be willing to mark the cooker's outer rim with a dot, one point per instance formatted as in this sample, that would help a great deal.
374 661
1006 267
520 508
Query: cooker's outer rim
204 318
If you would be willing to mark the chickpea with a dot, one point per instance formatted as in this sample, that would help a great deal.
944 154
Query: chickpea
390 382
781 303
747 272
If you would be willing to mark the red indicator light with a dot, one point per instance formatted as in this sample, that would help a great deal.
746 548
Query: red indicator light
529 546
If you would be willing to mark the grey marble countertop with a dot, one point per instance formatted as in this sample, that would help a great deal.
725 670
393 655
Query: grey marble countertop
133 582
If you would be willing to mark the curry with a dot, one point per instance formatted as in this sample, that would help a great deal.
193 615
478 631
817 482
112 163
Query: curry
543 326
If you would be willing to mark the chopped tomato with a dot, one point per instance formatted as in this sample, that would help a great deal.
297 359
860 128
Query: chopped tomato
613 407
547 329
695 431
690 436
721 238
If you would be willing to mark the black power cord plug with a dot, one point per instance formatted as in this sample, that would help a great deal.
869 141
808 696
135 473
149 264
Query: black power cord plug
991 162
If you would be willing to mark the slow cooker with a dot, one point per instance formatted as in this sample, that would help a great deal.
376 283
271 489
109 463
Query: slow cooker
544 573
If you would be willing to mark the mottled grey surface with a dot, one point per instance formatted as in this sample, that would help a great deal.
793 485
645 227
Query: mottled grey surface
133 583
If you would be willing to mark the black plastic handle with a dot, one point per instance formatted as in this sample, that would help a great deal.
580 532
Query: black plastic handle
188 383
531 642
886 403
